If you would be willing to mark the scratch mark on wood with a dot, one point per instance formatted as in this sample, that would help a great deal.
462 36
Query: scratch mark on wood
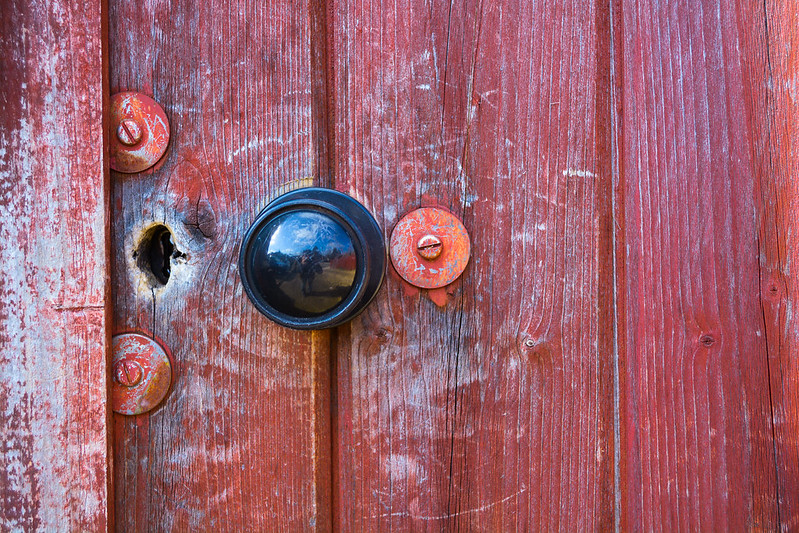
459 513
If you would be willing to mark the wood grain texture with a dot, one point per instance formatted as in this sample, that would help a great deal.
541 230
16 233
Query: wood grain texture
620 352
242 441
54 450
706 159
493 412
770 36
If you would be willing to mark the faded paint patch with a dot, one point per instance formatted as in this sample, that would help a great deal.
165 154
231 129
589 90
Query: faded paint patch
577 173
53 456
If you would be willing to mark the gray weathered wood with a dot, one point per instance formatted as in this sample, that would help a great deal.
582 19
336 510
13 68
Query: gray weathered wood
54 471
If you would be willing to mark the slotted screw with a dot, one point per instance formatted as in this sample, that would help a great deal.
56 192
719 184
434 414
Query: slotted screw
129 132
128 373
429 247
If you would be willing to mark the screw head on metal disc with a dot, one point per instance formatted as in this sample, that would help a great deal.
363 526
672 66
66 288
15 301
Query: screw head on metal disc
128 373
129 132
430 248
142 132
142 374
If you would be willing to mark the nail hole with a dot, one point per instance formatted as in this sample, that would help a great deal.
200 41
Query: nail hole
156 252
707 340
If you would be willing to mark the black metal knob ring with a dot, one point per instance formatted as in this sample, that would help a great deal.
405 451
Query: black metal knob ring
313 259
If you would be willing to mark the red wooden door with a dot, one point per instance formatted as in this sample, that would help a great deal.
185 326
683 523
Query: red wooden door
243 438
620 352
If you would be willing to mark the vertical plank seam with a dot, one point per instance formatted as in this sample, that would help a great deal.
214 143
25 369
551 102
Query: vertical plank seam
322 68
108 303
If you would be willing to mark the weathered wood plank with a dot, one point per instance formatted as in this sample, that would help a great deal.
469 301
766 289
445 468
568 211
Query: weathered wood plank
494 411
769 39
54 471
243 438
706 378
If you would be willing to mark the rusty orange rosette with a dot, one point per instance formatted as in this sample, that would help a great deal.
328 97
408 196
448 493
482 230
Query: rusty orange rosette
430 248
139 132
142 374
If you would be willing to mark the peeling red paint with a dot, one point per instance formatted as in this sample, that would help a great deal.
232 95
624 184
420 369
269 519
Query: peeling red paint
54 471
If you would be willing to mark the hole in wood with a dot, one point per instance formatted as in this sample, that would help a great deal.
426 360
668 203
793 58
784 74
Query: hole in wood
707 340
156 252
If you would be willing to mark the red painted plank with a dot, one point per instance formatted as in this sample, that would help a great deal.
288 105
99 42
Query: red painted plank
54 471
493 412
769 38
242 441
707 389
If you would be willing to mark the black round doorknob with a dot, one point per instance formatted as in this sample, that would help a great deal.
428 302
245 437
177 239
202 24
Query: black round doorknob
313 259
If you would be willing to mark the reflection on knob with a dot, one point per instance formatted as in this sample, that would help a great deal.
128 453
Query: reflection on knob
314 258
307 263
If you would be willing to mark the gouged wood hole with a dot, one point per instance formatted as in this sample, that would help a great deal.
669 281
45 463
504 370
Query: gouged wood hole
156 253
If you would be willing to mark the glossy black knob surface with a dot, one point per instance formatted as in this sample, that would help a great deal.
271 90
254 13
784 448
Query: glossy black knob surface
313 259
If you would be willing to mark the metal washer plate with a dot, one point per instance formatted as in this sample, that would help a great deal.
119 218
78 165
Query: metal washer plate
155 132
156 374
439 272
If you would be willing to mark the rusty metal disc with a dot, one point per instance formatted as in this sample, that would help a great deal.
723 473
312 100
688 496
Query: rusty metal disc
430 247
141 374
139 132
